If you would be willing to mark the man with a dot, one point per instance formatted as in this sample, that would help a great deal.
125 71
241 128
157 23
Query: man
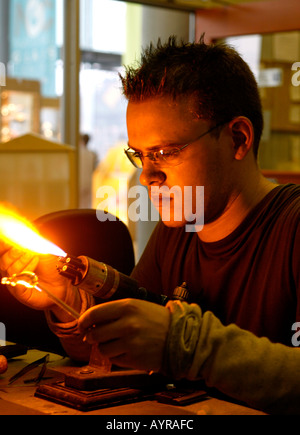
194 119
244 264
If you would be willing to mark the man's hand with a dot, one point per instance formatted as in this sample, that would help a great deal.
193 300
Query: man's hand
130 332
14 261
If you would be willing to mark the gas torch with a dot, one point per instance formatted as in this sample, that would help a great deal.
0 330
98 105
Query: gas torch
96 278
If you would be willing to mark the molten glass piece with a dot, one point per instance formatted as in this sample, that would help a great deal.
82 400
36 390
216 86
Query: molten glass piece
30 280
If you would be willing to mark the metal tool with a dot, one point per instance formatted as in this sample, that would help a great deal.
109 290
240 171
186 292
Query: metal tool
105 282
44 360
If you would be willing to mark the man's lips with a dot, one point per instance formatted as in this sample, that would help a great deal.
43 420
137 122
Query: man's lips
161 199
164 192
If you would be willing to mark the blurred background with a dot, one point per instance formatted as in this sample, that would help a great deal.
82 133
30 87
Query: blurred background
62 114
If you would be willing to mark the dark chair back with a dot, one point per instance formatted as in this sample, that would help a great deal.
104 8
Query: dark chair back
77 232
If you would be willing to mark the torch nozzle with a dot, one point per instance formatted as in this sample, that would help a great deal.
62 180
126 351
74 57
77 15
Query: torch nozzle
72 268
103 281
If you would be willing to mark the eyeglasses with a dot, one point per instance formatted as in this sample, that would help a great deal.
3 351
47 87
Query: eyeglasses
163 157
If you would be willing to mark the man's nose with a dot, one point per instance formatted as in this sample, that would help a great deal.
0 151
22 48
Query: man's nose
151 174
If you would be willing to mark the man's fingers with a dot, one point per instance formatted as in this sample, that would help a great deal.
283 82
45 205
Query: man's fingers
100 314
113 349
105 332
15 261
4 247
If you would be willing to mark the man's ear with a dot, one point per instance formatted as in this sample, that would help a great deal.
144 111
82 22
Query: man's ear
242 136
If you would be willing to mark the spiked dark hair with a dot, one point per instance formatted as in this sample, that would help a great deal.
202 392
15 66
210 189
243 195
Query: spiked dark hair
221 81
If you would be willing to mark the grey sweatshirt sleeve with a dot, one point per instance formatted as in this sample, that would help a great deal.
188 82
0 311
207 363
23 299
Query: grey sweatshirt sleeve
262 374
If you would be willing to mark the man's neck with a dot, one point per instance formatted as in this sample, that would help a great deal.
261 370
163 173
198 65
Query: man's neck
238 207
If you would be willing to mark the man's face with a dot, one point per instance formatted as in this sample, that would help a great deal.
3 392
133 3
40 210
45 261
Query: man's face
162 123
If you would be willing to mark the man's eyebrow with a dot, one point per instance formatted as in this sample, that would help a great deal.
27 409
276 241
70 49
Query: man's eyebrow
166 144
134 149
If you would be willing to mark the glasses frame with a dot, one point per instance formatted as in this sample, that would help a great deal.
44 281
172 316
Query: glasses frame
153 155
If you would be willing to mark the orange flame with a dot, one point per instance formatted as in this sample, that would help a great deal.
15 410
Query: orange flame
20 233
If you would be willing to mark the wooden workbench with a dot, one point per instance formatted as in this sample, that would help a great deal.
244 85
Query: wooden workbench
19 397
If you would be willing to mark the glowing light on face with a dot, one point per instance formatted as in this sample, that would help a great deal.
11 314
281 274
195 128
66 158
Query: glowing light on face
20 233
